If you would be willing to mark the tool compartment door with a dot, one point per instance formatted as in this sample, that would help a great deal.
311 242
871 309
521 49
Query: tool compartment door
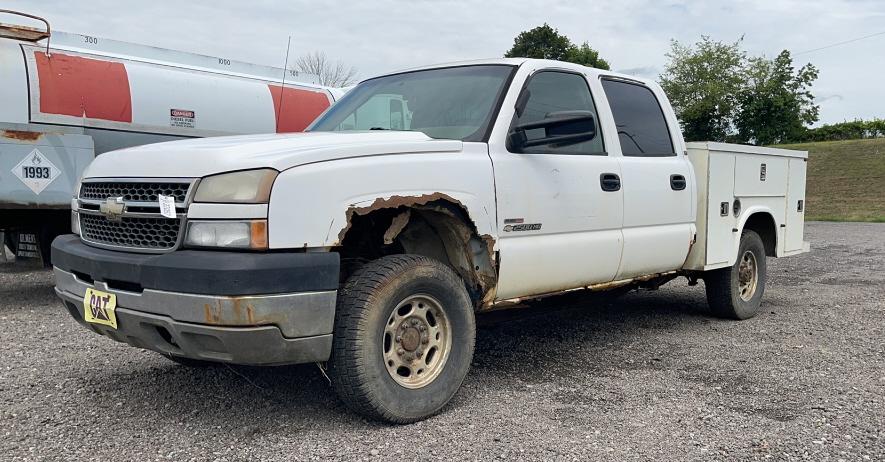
720 216
795 206
760 176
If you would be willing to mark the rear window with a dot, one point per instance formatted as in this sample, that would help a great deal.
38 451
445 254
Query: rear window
642 129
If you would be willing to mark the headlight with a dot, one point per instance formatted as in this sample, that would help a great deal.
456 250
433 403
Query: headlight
245 187
248 234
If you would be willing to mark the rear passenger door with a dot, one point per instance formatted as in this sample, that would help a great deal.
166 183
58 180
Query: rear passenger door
657 182
558 228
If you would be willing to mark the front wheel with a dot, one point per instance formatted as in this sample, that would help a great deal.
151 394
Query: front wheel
403 340
736 292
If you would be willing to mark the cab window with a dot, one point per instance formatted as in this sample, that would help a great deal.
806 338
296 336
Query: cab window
642 129
554 91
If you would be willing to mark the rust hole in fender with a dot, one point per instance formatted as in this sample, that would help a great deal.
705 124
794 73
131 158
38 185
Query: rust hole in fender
439 226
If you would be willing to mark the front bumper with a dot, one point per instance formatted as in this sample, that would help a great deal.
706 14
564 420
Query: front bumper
241 308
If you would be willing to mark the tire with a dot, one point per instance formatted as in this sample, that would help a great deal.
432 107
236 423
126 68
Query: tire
726 296
382 315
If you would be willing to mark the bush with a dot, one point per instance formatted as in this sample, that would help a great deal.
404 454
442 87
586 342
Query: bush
857 129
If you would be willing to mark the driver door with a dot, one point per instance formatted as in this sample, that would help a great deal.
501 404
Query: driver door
559 223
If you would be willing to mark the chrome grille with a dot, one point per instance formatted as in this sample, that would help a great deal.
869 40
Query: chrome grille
134 191
140 227
134 232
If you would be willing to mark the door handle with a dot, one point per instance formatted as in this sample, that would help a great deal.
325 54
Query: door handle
610 182
677 182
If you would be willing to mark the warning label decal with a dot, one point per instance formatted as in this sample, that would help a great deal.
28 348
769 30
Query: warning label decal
182 118
36 171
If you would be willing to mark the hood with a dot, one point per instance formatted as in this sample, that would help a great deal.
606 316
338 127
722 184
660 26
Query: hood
206 156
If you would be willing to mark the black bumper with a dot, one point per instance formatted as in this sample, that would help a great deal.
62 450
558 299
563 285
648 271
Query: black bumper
242 308
201 271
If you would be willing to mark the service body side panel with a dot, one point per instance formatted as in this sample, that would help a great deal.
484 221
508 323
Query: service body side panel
793 241
719 210
764 181
759 175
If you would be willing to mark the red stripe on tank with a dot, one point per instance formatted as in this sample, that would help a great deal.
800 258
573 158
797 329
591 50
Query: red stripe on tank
77 86
299 107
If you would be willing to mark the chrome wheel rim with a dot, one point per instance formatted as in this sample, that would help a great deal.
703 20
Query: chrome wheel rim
416 342
748 276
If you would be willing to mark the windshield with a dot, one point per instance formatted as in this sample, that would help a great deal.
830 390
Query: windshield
453 103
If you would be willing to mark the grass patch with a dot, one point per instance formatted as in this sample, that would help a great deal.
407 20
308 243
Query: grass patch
846 180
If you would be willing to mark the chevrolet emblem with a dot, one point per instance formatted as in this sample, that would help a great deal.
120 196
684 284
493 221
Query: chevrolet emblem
113 208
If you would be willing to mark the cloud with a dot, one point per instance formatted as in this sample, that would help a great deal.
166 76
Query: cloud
820 98
384 35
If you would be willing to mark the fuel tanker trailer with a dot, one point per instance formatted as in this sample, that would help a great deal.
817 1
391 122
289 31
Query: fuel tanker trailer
65 98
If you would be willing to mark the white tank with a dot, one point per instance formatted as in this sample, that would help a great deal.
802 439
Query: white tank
105 85
65 98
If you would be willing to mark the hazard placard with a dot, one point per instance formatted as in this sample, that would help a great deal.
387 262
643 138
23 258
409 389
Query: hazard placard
36 171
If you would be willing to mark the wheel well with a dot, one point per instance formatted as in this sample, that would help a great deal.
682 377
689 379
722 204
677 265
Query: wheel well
763 224
439 229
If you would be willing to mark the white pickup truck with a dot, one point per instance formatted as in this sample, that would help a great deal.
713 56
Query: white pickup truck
418 200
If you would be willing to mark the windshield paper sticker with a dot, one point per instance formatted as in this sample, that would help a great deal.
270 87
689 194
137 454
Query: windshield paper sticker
167 206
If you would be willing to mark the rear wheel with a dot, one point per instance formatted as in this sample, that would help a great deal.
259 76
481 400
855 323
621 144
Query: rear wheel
736 292
404 337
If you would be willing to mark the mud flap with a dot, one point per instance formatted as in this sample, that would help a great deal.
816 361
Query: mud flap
30 246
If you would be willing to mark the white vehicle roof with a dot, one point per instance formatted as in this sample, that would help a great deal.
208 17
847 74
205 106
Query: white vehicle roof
539 63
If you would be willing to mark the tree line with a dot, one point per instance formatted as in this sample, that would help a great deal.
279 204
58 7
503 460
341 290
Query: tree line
854 130
719 91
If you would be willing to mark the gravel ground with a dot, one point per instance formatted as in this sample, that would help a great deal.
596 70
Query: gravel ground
646 376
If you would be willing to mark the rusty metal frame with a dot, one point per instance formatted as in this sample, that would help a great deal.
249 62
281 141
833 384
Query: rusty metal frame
28 34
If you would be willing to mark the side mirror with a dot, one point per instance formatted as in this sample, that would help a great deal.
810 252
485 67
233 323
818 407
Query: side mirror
562 128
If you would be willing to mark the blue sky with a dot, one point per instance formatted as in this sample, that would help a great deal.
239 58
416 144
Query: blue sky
384 35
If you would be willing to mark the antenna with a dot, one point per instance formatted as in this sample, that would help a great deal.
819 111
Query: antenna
283 86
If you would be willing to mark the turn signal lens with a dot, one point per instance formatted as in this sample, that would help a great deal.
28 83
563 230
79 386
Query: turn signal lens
249 234
259 235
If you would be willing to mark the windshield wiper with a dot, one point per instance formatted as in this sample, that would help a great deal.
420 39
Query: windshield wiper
379 128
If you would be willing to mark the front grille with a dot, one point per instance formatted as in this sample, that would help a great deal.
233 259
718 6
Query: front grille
134 191
134 232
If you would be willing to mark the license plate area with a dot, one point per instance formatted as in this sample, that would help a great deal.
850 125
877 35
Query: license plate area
99 308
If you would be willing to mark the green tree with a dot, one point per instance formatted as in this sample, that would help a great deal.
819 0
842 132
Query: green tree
703 83
545 42
776 103
586 56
